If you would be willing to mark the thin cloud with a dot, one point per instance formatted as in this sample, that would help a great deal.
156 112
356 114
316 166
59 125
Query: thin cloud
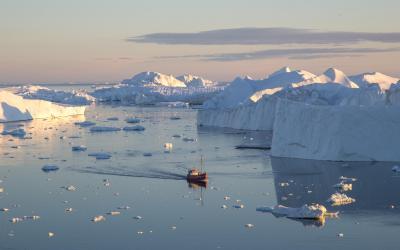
298 53
273 36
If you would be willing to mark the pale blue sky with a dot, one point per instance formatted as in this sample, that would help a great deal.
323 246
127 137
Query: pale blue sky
85 40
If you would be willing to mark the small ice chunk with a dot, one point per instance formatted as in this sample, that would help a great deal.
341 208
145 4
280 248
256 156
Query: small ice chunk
70 188
396 169
4 209
249 225
314 211
238 206
224 206
69 210
104 129
168 146
124 207
113 118
79 148
340 235
132 120
138 217
16 219
227 198
284 184
188 139
100 156
50 168
338 199
15 133
1 190
99 218
134 128
343 178
173 227
50 234
85 123
344 186
113 213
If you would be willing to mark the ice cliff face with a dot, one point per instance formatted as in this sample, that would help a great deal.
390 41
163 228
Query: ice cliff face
336 133
16 108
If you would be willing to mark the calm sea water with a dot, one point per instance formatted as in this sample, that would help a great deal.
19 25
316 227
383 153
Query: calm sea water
174 214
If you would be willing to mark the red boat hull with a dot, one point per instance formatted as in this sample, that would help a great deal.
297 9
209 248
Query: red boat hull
197 178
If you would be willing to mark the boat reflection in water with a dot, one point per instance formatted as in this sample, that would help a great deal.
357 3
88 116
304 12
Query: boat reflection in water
298 182
197 185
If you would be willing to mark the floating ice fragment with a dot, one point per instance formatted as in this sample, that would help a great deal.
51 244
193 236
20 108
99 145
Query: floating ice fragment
100 156
188 139
134 128
85 123
340 235
138 217
132 120
284 184
104 129
168 147
227 198
112 118
16 219
50 168
4 209
344 186
1 190
396 168
338 199
314 211
70 188
69 210
249 225
343 178
173 227
15 133
124 207
50 234
113 213
99 218
79 148
224 206
238 206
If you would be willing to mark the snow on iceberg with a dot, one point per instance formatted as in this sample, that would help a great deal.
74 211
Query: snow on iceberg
16 108
75 97
148 88
231 109
376 78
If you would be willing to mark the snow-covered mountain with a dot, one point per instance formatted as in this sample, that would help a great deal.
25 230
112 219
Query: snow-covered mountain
154 78
195 81
382 80
331 75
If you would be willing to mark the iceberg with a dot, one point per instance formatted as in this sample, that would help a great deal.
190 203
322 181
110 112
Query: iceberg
75 97
336 133
149 88
314 211
16 108
366 80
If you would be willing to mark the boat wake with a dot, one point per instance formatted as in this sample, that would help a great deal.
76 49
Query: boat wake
126 171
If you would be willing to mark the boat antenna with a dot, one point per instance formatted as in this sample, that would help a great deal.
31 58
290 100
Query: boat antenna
201 163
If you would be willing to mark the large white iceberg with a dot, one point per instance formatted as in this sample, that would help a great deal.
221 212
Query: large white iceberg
75 97
16 108
153 87
336 132
250 105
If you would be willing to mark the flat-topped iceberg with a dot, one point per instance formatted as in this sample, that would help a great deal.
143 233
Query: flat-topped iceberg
16 108
75 97
336 133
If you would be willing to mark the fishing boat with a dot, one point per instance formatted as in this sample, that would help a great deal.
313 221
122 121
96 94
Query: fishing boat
196 175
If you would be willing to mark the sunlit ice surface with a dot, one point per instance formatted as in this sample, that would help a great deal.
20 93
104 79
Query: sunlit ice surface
164 210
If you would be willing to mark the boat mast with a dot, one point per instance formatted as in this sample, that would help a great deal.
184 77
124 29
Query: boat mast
201 163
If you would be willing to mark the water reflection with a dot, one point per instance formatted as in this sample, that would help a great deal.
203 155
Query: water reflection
375 191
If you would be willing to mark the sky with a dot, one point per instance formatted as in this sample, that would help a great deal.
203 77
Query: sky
59 41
